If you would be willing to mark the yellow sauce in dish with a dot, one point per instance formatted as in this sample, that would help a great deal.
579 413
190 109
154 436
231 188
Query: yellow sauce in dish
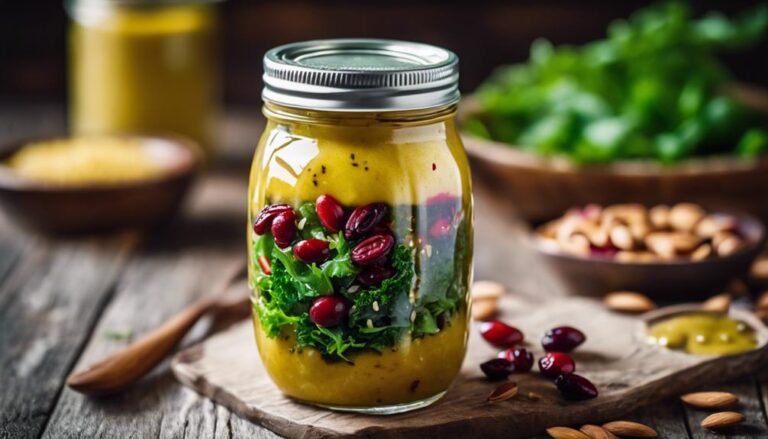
86 160
703 333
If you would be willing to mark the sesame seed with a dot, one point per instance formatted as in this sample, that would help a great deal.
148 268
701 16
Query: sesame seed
428 250
353 289
375 306
369 323
413 315
302 223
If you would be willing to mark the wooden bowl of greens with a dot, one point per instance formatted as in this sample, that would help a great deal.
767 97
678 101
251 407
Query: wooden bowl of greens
647 115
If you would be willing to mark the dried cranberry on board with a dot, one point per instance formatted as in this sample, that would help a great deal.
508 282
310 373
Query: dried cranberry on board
500 334
556 363
497 369
562 339
520 358
575 387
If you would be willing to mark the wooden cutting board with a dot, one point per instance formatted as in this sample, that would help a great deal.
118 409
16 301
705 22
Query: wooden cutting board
628 373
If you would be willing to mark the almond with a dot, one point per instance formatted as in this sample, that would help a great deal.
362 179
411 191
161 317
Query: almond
484 309
759 270
729 245
722 419
628 301
596 432
630 429
685 216
701 253
486 289
621 237
565 433
503 392
635 256
720 303
659 216
762 301
709 400
713 224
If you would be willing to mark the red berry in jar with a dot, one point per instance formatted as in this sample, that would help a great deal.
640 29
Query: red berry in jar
440 228
575 387
520 358
364 219
330 212
497 369
264 219
328 310
500 334
312 251
372 249
284 228
375 275
556 363
562 339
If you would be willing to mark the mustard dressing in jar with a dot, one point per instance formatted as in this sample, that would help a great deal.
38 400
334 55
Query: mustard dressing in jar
360 225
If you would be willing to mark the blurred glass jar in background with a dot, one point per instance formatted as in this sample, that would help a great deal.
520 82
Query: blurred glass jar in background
144 66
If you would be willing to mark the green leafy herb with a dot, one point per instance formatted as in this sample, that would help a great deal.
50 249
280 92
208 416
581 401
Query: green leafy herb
652 89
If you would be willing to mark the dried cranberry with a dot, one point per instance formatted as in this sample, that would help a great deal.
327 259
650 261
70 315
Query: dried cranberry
264 219
520 358
330 212
328 310
375 274
556 363
444 204
575 387
500 334
284 228
364 219
266 267
562 339
312 251
497 369
440 228
371 249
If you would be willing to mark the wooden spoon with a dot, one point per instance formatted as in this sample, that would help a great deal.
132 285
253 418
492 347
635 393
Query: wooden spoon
126 366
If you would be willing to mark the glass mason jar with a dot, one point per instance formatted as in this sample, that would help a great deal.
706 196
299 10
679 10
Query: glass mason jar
143 66
360 235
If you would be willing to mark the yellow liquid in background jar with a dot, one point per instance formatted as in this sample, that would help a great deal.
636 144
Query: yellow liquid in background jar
145 70
358 160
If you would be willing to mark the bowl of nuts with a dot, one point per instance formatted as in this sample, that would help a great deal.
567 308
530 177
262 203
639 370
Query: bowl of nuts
669 252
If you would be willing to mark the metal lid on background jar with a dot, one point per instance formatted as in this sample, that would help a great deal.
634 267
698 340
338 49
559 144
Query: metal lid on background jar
361 75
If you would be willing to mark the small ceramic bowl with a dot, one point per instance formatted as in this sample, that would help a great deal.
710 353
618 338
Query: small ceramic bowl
99 206
664 280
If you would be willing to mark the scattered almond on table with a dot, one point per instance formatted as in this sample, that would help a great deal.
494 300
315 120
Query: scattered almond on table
759 270
720 303
632 233
630 429
722 420
596 432
503 392
629 302
485 298
565 433
709 400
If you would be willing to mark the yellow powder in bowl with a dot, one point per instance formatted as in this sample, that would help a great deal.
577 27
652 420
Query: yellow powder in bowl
86 160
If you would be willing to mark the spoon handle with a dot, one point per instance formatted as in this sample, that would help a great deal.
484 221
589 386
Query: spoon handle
127 365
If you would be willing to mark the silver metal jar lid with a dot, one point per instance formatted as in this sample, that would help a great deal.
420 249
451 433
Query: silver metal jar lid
361 75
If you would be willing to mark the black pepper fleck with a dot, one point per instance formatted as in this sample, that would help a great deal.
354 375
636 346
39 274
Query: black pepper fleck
354 164
415 385
322 168
366 168
352 156
434 166
314 182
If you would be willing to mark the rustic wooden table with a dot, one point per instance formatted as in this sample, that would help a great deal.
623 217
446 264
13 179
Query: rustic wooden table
66 302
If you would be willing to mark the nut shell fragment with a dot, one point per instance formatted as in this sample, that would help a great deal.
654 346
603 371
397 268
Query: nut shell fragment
503 392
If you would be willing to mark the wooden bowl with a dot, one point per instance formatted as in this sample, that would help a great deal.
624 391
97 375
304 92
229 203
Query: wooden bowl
99 207
668 280
543 187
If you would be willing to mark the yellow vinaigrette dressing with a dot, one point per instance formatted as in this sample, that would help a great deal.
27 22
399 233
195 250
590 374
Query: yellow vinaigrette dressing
703 333
360 225
143 67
